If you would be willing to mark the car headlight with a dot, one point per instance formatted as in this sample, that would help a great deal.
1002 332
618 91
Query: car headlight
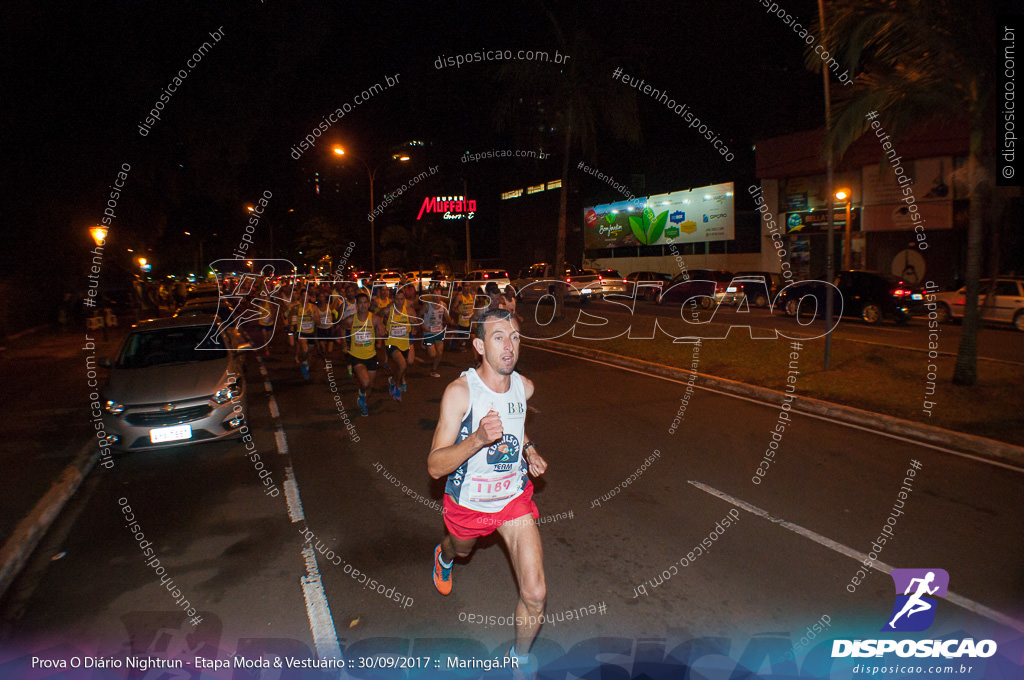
113 407
229 393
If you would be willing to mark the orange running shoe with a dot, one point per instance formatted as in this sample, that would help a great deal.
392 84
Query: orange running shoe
442 574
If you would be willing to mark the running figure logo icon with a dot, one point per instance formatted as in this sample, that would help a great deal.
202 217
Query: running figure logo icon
914 610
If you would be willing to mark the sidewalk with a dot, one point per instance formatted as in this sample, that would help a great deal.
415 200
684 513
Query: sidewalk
48 419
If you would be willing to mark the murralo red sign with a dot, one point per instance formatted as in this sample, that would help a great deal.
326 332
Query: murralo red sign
453 207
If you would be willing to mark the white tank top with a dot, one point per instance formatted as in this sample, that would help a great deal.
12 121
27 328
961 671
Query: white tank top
496 474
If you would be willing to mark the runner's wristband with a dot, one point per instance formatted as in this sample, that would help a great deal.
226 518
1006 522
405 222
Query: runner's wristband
526 446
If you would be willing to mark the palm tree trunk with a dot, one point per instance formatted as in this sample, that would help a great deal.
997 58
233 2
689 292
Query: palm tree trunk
966 371
562 215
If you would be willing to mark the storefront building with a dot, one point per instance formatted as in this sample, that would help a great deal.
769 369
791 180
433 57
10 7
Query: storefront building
907 204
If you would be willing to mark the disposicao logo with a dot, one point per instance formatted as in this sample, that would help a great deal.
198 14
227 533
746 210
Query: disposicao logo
917 593
914 609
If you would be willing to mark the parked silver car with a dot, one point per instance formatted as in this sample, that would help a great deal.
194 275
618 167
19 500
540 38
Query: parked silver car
1007 304
172 383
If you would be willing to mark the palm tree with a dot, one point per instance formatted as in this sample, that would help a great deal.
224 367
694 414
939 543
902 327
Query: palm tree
584 97
920 61
319 238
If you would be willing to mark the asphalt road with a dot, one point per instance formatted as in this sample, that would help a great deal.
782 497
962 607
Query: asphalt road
236 553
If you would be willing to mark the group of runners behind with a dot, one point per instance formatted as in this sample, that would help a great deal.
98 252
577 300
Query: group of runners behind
322 317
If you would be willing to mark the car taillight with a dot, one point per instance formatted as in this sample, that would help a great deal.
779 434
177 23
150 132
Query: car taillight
568 279
486 275
600 278
900 292
625 280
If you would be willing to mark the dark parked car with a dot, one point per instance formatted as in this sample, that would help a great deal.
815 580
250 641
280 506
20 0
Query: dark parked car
707 285
650 284
759 288
868 295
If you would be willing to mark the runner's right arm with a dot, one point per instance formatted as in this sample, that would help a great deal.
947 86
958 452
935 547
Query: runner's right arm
445 455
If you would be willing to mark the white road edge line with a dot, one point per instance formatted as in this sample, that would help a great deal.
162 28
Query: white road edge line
959 600
321 623
291 496
854 426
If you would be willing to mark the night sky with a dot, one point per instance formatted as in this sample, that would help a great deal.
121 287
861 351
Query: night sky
80 77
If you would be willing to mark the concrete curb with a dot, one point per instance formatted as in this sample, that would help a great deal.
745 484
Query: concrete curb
31 529
928 434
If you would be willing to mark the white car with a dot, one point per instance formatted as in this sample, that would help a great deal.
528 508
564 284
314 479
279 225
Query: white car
1007 307
481 277
390 277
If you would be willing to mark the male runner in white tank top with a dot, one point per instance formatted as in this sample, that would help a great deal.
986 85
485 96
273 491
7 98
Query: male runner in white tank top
480 444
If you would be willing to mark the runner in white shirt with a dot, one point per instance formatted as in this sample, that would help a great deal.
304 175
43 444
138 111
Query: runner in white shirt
480 444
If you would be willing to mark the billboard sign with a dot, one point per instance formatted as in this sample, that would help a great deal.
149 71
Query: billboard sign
694 215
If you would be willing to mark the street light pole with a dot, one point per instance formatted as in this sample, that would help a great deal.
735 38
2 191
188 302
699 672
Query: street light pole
373 223
847 254
469 256
830 246
372 174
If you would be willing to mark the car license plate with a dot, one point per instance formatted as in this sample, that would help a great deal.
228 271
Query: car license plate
170 434
730 289
586 291
916 296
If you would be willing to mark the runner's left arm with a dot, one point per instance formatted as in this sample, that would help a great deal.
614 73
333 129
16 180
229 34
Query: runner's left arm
535 462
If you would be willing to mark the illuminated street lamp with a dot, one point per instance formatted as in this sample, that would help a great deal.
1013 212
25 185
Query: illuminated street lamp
99 234
845 194
372 174
270 226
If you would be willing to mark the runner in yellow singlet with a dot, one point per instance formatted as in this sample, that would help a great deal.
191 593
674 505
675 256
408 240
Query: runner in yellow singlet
399 350
463 305
364 331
